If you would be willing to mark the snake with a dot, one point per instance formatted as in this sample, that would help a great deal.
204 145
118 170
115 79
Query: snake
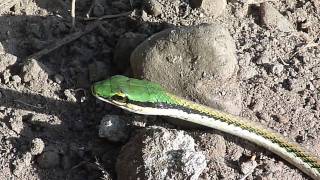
150 98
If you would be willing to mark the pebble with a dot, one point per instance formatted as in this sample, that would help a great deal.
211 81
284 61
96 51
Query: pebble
21 163
273 19
48 159
16 79
6 60
6 76
58 78
34 73
277 69
114 128
70 96
16 124
37 146
248 167
211 8
258 105
281 119
152 7
162 153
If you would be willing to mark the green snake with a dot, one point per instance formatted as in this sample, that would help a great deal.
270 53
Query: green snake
148 98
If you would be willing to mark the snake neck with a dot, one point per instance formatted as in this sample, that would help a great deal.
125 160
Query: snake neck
209 117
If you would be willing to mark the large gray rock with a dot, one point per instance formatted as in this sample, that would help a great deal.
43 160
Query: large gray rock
197 62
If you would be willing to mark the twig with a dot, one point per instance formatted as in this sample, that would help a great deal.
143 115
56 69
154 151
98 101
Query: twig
93 3
108 16
64 41
27 104
73 12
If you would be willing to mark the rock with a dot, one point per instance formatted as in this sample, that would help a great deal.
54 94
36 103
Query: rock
34 73
248 72
211 7
248 167
193 62
273 19
217 146
21 163
6 60
37 146
113 128
157 153
295 85
48 159
58 78
277 69
6 76
70 95
16 79
152 7
16 124
124 47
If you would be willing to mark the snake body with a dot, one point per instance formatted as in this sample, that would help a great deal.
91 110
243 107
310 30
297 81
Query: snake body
148 98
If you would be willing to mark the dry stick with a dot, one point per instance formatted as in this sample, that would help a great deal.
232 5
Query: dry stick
64 41
93 3
73 12
108 16
74 36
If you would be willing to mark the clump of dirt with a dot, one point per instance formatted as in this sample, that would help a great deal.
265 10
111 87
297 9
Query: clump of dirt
49 121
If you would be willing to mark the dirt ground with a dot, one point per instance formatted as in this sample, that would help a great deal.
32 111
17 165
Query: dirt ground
49 120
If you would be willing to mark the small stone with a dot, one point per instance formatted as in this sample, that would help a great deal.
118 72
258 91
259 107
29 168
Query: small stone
16 124
6 76
295 85
277 69
273 19
6 60
264 116
70 96
258 105
37 146
248 72
113 128
58 78
248 167
48 159
21 163
16 79
264 58
34 73
281 119
211 7
152 7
